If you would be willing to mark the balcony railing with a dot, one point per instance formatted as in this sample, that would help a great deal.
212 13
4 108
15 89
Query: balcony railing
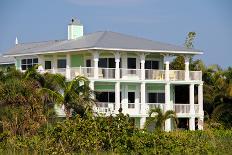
106 73
195 75
182 108
130 73
127 74
151 74
155 105
135 108
104 108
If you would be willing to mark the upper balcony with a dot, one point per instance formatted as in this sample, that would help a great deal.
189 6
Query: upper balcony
128 74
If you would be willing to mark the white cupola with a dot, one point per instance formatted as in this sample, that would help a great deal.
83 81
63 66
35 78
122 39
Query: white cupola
75 29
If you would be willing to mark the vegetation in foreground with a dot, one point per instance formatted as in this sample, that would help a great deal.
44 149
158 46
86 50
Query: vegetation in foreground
114 134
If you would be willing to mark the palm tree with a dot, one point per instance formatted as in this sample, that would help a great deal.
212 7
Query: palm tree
75 95
158 117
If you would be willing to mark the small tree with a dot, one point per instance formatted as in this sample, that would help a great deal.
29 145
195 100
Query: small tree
179 62
158 117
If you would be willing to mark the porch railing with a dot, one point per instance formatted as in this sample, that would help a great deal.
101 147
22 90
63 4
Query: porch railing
106 73
104 108
155 105
130 74
182 108
195 75
151 74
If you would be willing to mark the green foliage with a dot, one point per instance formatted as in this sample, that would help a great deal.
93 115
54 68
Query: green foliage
96 135
157 118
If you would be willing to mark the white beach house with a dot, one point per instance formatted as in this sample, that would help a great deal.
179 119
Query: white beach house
129 72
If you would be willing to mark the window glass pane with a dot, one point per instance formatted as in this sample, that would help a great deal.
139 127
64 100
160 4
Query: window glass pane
23 61
48 65
155 64
102 97
102 63
152 98
131 63
111 63
35 60
29 66
131 97
61 63
147 64
24 67
161 98
29 61
88 63
111 97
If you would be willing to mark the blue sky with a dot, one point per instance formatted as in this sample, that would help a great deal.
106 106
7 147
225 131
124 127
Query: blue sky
161 20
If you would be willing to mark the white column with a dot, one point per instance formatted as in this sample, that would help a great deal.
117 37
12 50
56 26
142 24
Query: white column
186 68
167 106
117 97
54 66
124 64
117 65
143 98
142 62
192 123
201 111
68 64
191 99
200 98
167 70
192 111
142 122
200 123
41 63
96 59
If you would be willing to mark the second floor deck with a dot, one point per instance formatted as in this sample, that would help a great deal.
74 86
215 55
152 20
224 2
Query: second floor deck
128 74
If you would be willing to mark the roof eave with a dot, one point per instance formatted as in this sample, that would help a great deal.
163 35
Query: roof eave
108 49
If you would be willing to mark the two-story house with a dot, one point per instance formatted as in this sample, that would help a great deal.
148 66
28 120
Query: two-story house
128 72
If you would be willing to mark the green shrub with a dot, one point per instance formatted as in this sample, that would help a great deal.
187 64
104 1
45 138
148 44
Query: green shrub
106 135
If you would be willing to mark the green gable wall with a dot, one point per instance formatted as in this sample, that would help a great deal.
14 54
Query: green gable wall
131 87
155 87
108 87
77 60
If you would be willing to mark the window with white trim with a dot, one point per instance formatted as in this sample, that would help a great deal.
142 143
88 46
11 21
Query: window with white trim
28 63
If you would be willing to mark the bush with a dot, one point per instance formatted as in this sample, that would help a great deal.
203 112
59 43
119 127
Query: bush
115 135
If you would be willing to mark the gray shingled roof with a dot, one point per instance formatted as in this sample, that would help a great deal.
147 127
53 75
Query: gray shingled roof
105 40
6 60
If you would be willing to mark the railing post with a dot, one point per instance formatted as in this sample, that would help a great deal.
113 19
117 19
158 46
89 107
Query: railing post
187 68
68 63
96 59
